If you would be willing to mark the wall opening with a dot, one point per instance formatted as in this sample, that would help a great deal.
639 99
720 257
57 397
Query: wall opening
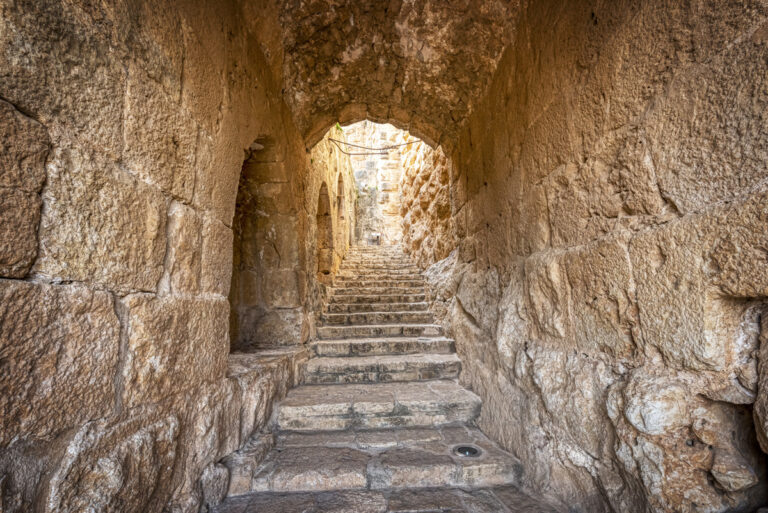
265 294
324 234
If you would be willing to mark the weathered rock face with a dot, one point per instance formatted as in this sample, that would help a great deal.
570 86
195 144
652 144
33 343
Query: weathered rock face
425 207
607 286
420 64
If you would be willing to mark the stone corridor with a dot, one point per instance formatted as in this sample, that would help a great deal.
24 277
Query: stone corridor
572 197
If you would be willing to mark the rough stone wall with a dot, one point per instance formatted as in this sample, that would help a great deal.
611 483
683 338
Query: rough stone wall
610 200
377 177
419 64
274 266
425 208
333 168
123 130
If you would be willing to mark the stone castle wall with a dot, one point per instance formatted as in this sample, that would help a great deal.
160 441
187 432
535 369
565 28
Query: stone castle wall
123 132
609 198
377 177
606 278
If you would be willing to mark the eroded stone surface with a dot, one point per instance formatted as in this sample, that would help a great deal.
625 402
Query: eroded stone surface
172 344
60 350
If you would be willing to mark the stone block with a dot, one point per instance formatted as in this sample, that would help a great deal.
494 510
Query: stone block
172 345
205 62
159 138
708 133
218 164
216 267
19 218
117 466
24 146
183 257
602 291
60 348
694 278
280 327
100 224
281 289
64 72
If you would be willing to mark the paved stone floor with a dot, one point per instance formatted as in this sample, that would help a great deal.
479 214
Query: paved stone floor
379 417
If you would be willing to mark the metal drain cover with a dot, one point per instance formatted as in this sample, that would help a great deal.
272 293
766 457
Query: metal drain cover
467 451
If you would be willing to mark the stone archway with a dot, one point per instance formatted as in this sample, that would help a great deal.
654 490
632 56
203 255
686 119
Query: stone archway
341 216
324 234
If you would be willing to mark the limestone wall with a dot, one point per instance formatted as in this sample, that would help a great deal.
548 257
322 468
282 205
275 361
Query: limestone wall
425 208
275 283
610 199
377 177
123 132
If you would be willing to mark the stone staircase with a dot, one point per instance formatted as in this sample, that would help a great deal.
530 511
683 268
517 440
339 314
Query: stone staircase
380 423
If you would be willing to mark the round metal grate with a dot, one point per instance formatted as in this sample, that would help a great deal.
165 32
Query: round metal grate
467 451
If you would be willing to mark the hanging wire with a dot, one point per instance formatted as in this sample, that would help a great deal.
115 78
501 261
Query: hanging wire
371 151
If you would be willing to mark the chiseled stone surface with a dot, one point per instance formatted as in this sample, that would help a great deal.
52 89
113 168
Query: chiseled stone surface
92 208
372 369
172 344
383 459
24 146
112 467
59 347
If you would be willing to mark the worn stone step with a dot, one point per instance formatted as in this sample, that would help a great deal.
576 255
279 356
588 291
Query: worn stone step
387 264
381 368
379 330
377 275
379 405
357 291
378 298
384 282
376 307
382 346
406 317
383 460
500 499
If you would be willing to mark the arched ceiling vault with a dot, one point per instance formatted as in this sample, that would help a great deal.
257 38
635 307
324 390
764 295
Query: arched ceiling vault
419 64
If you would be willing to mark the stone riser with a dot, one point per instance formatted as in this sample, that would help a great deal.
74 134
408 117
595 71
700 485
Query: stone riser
395 418
379 266
359 291
349 283
377 307
381 369
383 405
375 275
379 298
394 330
347 319
382 346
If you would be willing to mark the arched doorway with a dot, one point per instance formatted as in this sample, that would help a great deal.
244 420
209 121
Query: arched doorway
324 234
341 212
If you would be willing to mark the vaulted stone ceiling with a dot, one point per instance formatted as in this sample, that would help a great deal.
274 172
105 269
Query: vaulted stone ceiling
418 63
